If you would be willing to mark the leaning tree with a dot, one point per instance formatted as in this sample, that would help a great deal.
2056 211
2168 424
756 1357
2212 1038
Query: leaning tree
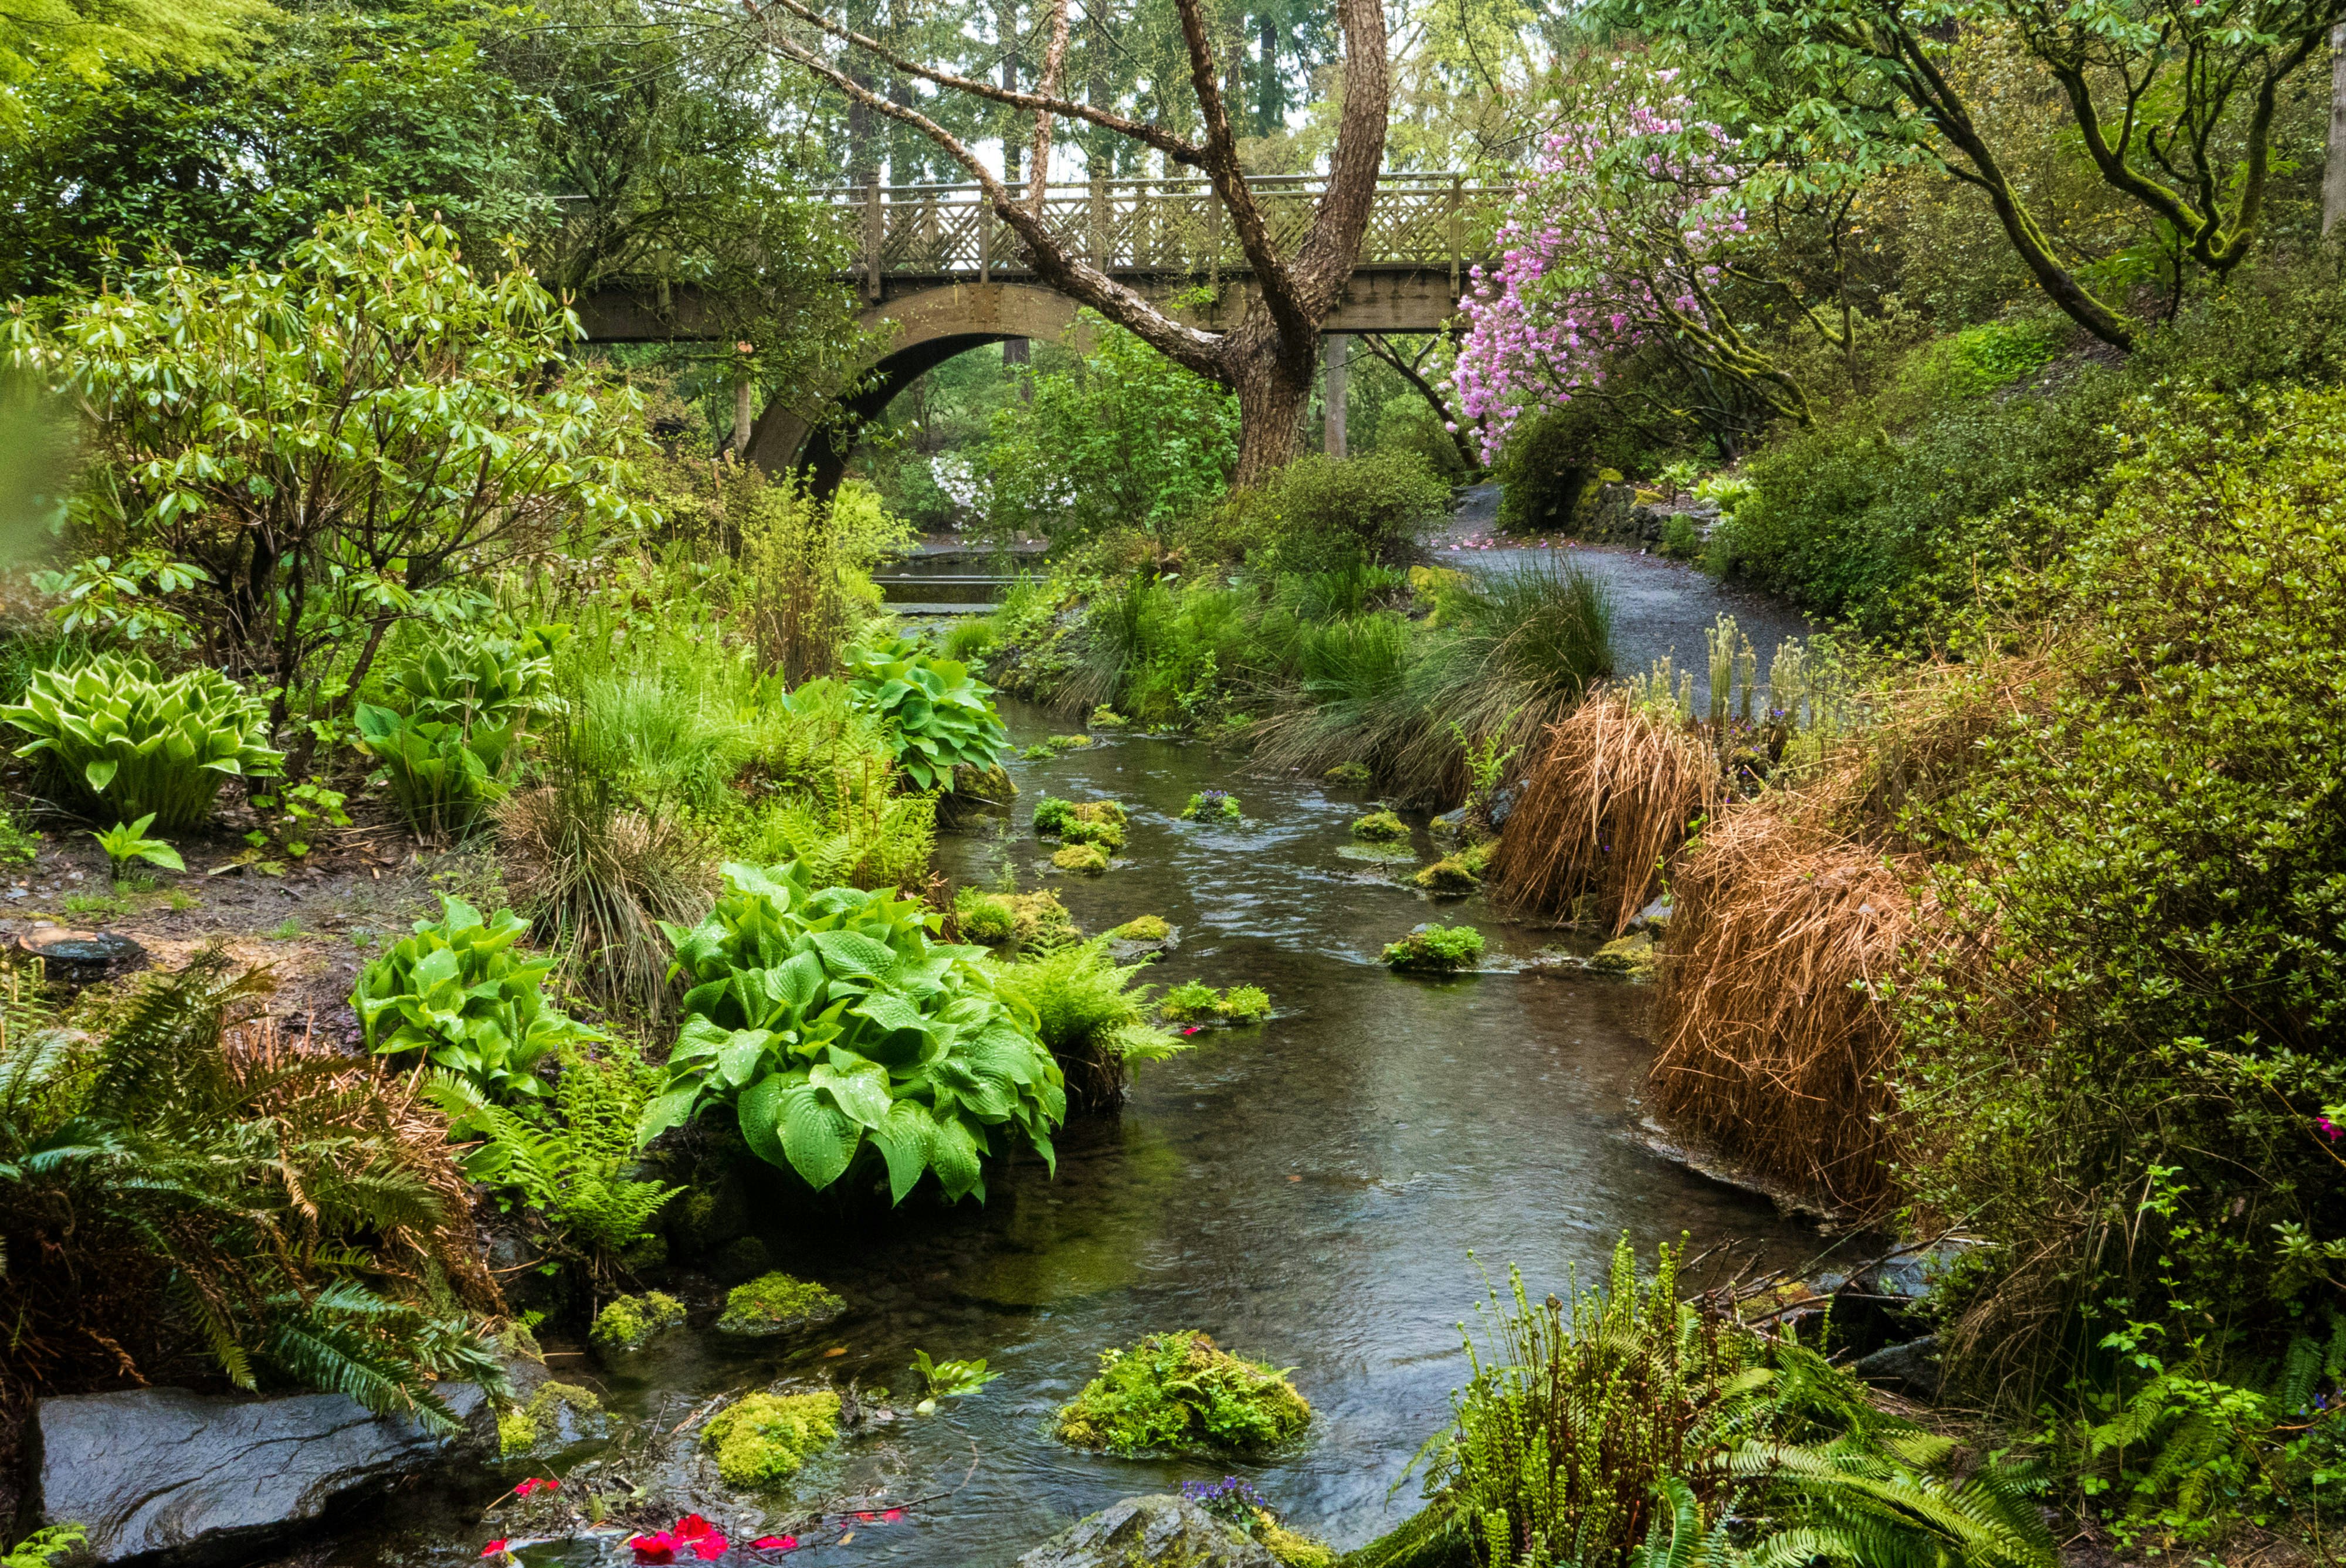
1269 358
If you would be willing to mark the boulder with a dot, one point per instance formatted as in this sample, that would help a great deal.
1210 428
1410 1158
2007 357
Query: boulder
171 1477
1156 1532
1912 1367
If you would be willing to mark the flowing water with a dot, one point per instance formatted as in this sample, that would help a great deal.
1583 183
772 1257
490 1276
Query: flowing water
1319 1192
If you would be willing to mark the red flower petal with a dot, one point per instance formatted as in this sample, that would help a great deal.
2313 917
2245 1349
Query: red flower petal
493 1548
773 1544
550 1484
691 1527
893 1516
709 1547
527 1487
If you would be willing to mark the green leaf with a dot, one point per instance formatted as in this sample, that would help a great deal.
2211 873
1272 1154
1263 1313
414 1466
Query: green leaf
820 1139
862 1091
99 772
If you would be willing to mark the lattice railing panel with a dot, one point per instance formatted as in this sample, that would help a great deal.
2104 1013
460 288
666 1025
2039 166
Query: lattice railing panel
1156 226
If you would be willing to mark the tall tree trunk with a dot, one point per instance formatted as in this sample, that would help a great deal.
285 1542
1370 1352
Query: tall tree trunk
1274 389
2333 172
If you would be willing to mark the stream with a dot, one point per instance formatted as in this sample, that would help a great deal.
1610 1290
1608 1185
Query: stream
1324 1192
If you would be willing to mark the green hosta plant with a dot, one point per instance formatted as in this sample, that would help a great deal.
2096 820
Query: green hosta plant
832 1022
442 776
114 736
124 843
456 991
488 683
938 716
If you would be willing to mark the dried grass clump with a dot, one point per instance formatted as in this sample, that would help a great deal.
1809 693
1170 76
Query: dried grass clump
1775 1040
598 880
1613 792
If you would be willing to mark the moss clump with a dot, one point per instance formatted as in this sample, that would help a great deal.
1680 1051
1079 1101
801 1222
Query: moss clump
629 1321
1448 877
1213 806
523 1427
1353 775
1436 949
984 919
1292 1547
1108 836
1084 860
1106 717
1144 928
1103 811
776 1304
1177 1393
1068 742
1244 1004
1036 753
1633 956
1052 816
1381 828
760 1438
1191 999
1041 917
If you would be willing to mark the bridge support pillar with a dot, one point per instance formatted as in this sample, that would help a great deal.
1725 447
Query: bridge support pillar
1337 348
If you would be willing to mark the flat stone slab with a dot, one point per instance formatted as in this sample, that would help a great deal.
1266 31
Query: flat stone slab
168 1477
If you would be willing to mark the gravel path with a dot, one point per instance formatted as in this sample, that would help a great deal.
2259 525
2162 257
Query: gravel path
1660 606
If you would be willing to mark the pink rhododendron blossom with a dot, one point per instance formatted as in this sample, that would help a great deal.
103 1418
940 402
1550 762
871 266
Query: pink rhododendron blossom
1614 238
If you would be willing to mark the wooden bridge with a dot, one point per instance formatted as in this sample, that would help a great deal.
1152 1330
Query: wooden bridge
939 273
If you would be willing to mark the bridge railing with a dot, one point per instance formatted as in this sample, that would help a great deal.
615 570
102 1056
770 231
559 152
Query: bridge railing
1160 226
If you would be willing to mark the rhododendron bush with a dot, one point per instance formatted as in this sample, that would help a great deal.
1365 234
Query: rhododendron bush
1623 237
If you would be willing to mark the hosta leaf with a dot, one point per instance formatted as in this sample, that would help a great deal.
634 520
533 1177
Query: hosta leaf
760 1112
737 1060
100 774
904 1139
853 952
819 1138
861 1090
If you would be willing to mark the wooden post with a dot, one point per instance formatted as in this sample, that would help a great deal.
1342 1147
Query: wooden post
1099 222
1336 348
1457 230
2333 172
875 234
984 241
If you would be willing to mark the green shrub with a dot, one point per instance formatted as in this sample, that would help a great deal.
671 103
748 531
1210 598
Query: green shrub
1177 1393
115 738
229 1198
1580 1419
776 1304
479 683
1547 465
831 1023
937 716
761 1439
626 1322
2144 878
1321 513
456 991
1381 828
1436 949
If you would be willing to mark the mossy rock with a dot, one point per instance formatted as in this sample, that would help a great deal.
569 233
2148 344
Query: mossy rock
1069 742
1436 949
1108 836
1447 877
1634 956
760 1439
1102 811
1189 999
1179 1393
1107 718
1082 860
1144 928
713 1213
777 1304
1352 775
742 1258
989 921
1381 828
1040 917
976 792
1477 856
556 1417
627 1322
1292 1547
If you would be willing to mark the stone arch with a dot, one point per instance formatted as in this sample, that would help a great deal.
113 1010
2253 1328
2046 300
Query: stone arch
931 326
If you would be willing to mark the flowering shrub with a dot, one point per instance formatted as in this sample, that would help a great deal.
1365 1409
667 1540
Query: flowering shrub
1620 237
